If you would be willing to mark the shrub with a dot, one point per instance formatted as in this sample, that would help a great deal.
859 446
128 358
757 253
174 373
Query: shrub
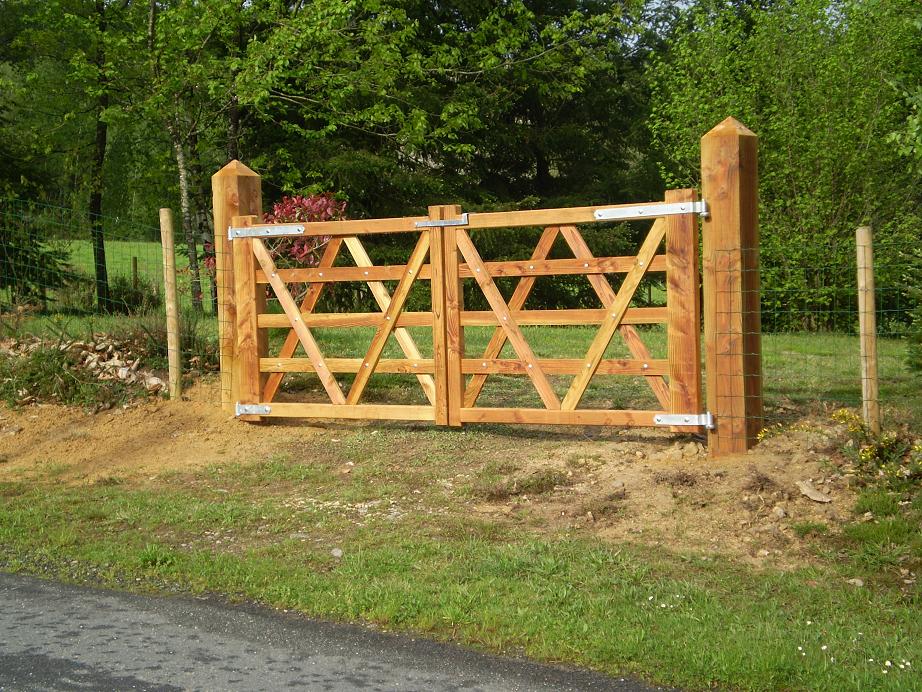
132 299
890 461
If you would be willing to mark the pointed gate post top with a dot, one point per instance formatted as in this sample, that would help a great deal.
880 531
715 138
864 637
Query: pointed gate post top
235 169
730 127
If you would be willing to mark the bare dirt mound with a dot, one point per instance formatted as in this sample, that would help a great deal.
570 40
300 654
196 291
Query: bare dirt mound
147 437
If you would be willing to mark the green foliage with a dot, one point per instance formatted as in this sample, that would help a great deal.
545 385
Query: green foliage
134 296
28 265
814 80
890 461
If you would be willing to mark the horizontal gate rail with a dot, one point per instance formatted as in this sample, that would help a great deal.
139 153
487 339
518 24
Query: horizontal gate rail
470 318
392 272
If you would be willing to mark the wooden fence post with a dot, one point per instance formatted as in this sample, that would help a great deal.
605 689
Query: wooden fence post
172 304
730 262
867 325
236 191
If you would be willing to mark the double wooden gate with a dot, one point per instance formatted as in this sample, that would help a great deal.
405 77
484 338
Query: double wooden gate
446 254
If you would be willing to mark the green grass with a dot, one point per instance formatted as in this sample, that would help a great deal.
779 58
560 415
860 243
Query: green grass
415 558
119 254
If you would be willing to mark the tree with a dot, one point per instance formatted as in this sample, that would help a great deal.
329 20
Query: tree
813 79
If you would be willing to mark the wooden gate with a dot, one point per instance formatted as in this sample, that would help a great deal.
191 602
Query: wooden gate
446 253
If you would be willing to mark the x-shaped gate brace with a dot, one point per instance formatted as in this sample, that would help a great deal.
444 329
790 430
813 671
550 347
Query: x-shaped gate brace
614 302
391 306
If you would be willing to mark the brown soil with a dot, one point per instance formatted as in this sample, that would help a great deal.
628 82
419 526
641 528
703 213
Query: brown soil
148 437
649 488
643 486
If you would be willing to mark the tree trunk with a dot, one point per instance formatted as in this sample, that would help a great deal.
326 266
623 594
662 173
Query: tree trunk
201 195
233 129
186 213
103 299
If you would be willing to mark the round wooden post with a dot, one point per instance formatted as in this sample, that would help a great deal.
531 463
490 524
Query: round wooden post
867 325
237 191
730 263
172 304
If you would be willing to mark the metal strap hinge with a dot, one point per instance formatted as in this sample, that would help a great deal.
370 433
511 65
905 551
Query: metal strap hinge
269 231
252 409
445 222
696 419
652 210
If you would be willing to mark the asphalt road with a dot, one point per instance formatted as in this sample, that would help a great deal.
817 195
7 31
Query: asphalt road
61 637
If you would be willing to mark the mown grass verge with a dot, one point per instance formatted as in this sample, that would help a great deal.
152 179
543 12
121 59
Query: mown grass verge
266 532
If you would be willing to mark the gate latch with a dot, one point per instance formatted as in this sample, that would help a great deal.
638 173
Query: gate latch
251 409
697 419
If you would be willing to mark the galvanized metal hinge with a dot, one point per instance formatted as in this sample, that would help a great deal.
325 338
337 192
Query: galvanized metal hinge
698 419
252 409
652 210
270 231
444 222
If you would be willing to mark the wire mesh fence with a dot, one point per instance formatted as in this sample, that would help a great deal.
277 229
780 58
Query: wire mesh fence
50 293
93 288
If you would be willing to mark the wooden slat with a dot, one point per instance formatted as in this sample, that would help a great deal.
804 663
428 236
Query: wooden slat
383 299
519 296
547 267
551 217
469 318
615 313
507 366
501 219
378 341
507 322
392 365
304 334
354 227
307 306
349 319
607 295
358 411
539 416
250 341
684 329
454 305
565 366
439 317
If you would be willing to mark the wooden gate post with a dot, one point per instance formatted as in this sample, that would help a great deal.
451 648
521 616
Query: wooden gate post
730 262
447 303
236 191
684 311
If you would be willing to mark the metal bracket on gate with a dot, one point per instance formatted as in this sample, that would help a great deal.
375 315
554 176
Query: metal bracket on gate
652 210
275 229
252 410
445 222
701 419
